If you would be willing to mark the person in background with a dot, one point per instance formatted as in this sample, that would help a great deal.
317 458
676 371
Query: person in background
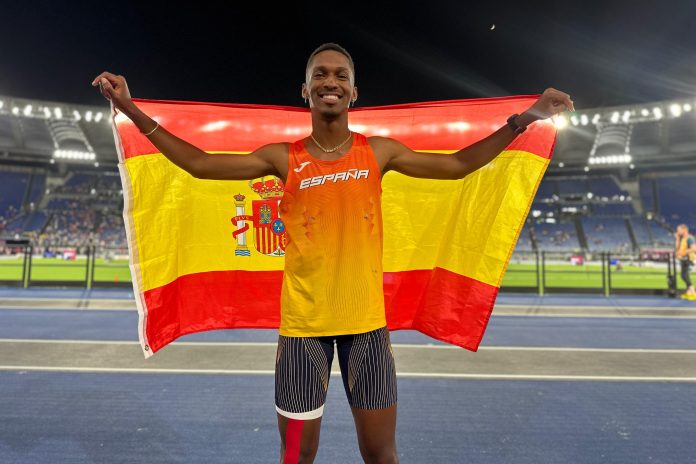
685 246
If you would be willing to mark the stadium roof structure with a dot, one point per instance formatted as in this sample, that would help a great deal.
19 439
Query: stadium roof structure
48 131
644 137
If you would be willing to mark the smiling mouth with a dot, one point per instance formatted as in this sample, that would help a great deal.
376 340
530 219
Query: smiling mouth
328 98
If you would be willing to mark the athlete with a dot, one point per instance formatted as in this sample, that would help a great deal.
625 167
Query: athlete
685 247
332 293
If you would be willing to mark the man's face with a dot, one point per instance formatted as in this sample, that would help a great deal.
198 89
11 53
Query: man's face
682 231
329 83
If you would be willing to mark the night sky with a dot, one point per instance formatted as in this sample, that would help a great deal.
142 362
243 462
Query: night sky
614 53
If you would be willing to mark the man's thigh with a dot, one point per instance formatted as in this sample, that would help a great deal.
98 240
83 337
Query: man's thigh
369 378
367 369
303 367
376 430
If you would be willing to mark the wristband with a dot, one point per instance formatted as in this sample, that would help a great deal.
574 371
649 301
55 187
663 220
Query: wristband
513 125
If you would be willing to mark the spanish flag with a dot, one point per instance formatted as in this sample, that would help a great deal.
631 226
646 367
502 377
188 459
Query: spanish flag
203 254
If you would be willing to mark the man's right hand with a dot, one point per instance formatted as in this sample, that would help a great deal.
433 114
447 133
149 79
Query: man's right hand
114 88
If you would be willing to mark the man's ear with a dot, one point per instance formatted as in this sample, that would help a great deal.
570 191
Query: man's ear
355 93
304 90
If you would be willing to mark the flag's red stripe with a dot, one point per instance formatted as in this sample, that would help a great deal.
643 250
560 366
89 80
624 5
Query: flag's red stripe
442 304
483 115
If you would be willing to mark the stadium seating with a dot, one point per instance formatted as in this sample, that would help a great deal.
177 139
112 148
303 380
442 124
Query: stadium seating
556 237
607 234
677 199
641 231
605 186
524 243
613 209
13 186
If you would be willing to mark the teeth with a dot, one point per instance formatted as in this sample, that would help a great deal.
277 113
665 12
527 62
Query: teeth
330 97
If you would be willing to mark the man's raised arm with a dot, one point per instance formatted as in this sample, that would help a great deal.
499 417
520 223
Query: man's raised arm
467 160
188 157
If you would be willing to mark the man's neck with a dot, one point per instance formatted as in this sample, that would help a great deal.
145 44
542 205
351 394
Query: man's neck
330 132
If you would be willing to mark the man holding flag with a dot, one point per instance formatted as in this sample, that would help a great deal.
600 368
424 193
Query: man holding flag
332 282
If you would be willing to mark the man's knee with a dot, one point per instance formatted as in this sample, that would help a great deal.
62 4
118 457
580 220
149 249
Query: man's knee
379 454
306 455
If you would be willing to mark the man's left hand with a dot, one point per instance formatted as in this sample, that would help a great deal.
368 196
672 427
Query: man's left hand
550 103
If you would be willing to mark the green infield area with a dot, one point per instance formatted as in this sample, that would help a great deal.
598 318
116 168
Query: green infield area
59 269
588 276
517 275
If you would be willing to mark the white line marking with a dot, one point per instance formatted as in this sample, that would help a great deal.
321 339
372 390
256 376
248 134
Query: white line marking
395 345
615 314
27 308
124 370
39 298
592 316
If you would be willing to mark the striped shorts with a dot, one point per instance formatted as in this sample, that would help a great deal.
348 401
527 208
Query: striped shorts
303 368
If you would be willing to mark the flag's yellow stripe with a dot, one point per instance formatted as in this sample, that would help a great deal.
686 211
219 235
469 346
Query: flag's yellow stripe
467 226
182 224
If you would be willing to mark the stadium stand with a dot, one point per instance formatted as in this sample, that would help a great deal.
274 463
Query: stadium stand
14 186
607 234
556 236
524 242
677 199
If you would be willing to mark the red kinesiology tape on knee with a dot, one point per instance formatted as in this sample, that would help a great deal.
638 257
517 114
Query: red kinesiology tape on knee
293 437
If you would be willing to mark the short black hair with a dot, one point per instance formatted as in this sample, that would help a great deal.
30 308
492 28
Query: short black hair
331 46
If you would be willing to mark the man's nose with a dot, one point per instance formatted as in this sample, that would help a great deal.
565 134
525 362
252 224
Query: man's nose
330 81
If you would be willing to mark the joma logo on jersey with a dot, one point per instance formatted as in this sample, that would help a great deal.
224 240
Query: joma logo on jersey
335 177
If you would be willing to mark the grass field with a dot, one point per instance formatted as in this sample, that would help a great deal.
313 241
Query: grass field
517 275
588 276
58 269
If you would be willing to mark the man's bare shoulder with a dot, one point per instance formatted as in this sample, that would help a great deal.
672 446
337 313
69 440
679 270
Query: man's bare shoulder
276 154
273 151
383 145
379 141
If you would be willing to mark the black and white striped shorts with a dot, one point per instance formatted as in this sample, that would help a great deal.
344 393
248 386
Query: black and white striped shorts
303 367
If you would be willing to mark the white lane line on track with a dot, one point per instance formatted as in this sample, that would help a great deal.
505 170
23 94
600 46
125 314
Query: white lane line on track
55 308
443 375
502 306
593 316
45 298
395 345
584 315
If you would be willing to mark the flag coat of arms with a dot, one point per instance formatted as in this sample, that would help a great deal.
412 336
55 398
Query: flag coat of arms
209 254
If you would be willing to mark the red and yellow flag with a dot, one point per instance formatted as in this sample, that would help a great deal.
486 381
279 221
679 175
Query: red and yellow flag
201 258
